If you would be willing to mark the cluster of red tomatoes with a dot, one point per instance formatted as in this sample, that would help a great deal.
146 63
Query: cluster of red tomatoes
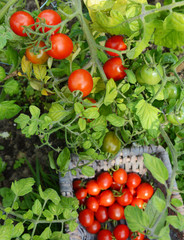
104 199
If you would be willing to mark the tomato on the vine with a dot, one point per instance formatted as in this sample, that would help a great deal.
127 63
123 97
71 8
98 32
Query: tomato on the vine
115 42
121 232
94 228
144 191
111 143
81 80
149 75
139 202
106 198
93 188
172 90
92 204
61 46
77 184
126 197
116 212
104 180
120 176
101 214
39 58
136 236
114 69
133 180
86 217
20 19
50 17
2 73
81 193
104 235
178 117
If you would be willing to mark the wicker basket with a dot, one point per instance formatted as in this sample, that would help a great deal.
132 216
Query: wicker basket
131 160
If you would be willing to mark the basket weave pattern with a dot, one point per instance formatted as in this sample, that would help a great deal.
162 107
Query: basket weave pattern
131 160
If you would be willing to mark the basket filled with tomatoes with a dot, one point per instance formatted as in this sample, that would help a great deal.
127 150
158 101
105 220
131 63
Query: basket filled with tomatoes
106 199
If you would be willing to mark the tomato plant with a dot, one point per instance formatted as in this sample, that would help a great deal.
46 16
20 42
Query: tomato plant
94 228
104 235
114 69
115 42
144 191
50 17
80 80
120 176
39 58
176 118
104 180
116 212
92 188
111 143
121 232
86 217
149 75
61 46
20 19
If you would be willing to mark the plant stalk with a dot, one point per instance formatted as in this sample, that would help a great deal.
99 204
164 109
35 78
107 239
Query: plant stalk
4 10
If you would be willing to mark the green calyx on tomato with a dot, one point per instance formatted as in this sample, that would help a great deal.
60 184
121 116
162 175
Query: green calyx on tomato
2 73
177 118
111 143
172 90
149 75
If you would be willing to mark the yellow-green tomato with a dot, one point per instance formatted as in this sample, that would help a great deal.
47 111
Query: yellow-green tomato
111 143
149 75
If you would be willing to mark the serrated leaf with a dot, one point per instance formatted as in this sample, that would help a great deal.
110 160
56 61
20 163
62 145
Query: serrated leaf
176 202
49 194
86 144
98 85
164 234
46 234
176 221
131 76
148 115
37 85
32 128
28 215
37 207
22 120
55 209
63 159
31 226
72 225
102 56
23 186
156 167
99 124
6 232
35 111
154 89
11 87
51 160
91 113
88 171
49 216
17 230
57 112
79 108
111 92
26 236
40 71
8 109
159 204
82 124
125 87
115 120
26 66
3 42
122 107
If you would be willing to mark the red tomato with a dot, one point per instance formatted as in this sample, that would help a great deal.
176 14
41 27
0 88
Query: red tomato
104 180
139 202
136 236
94 228
117 43
81 80
39 58
120 176
104 235
77 184
121 232
133 180
133 191
81 193
114 69
126 197
92 188
92 204
116 212
86 217
101 214
144 191
116 186
106 198
20 19
51 17
61 46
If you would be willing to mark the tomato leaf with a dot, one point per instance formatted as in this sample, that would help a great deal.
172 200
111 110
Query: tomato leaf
17 230
91 113
99 124
176 202
49 194
115 120
111 92
159 203
40 71
98 85
131 76
46 234
8 109
82 124
156 167
23 186
37 207
63 160
176 221
148 115
57 112
88 171
11 87
26 66
164 233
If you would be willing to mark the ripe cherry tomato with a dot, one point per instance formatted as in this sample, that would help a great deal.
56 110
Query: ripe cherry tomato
39 58
116 212
126 197
81 193
120 176
136 236
173 90
139 202
92 204
101 214
148 75
61 46
106 198
81 80
94 228
114 69
104 235
111 143
93 188
133 180
77 184
86 217
115 42
20 19
104 180
121 232
144 191
51 18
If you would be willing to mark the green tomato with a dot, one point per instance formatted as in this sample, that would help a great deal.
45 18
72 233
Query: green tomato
2 73
172 90
177 118
149 75
111 143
